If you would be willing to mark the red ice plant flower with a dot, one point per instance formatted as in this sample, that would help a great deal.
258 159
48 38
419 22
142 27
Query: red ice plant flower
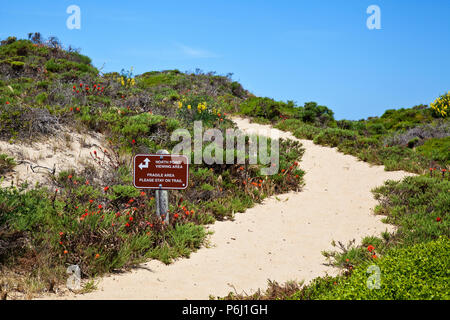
370 248
438 219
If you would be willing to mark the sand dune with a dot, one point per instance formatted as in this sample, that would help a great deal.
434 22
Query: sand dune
67 150
280 239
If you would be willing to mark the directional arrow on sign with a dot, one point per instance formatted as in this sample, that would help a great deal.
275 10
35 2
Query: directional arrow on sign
144 166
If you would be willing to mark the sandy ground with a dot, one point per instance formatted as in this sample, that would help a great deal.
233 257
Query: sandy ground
280 239
68 150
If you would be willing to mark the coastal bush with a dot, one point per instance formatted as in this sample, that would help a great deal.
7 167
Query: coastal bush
311 112
261 107
437 150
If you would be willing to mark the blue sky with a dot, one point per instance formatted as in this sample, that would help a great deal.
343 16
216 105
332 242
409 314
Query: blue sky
289 50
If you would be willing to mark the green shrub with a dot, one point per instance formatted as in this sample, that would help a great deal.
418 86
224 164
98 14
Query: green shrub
436 149
172 124
306 131
413 142
52 66
405 118
17 65
376 128
139 125
345 124
333 136
420 271
41 98
123 193
77 57
262 107
155 79
313 113
63 65
414 204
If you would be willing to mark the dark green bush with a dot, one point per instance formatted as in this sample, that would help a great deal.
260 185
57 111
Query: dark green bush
262 107
313 113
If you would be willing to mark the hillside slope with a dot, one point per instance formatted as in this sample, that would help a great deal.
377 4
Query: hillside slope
71 131
280 239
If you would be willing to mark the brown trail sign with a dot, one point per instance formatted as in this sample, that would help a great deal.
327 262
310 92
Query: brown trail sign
160 171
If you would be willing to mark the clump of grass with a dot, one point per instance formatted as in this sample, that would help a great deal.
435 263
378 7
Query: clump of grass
7 163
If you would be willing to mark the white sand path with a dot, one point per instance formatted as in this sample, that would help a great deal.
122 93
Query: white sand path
280 239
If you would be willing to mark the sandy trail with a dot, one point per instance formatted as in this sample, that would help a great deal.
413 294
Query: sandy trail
280 239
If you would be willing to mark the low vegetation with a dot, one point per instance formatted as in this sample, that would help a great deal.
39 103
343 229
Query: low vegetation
412 262
94 217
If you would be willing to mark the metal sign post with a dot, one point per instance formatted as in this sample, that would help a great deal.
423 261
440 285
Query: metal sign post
162 198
